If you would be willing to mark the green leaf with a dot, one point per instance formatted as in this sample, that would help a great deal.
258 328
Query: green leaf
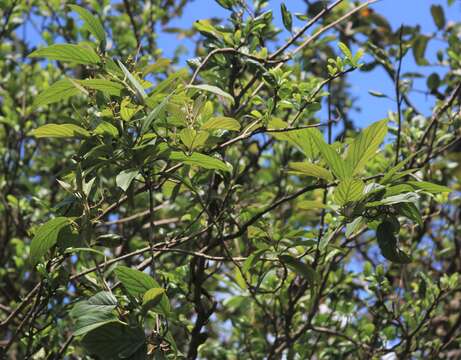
439 16
377 94
305 168
202 160
338 166
106 128
388 244
303 138
348 190
58 91
152 297
124 179
128 109
133 81
135 282
213 89
310 205
364 147
300 268
345 50
154 114
116 341
59 131
92 23
396 199
286 17
68 53
221 123
433 81
419 49
193 139
94 312
429 187
46 236
103 85
410 211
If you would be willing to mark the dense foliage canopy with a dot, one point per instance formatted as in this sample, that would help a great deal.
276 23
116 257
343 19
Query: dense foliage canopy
229 207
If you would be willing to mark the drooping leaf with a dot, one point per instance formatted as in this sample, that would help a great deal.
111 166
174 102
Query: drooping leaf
213 89
364 147
202 160
349 190
308 169
135 282
388 244
125 178
92 23
287 18
103 85
68 53
116 341
58 91
46 236
94 312
300 268
59 131
221 123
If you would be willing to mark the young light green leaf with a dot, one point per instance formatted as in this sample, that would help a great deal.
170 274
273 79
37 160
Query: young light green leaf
46 236
364 147
91 22
68 53
308 169
286 17
221 123
349 190
103 85
202 160
213 89
388 244
345 50
300 268
59 131
135 282
58 91
429 187
125 178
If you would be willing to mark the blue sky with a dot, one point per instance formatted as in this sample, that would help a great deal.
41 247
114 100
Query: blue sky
397 12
